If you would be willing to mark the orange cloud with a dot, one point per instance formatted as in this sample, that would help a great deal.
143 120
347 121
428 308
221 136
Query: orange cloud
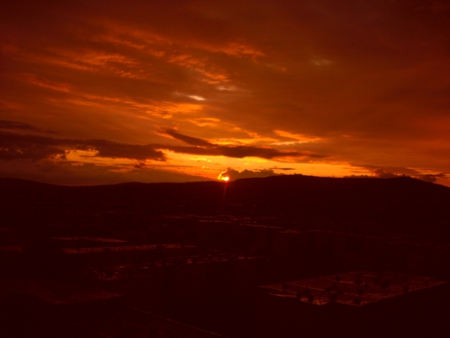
254 86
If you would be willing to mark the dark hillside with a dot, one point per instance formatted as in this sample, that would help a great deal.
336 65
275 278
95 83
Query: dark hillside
401 203
398 202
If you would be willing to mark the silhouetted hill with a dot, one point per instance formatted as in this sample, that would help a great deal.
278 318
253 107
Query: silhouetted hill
402 203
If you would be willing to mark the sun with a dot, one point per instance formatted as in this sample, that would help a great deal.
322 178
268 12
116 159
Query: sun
223 177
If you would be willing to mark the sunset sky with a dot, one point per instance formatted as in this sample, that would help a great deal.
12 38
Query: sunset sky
100 92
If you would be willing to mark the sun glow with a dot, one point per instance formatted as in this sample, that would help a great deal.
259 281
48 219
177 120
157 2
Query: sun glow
223 178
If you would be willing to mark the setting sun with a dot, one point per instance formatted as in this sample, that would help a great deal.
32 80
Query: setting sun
223 178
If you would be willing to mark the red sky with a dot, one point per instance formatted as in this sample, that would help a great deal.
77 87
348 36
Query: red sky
96 92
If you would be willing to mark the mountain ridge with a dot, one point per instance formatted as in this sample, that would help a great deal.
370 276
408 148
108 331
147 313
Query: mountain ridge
402 202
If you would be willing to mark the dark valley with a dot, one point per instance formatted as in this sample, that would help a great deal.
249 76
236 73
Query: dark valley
277 256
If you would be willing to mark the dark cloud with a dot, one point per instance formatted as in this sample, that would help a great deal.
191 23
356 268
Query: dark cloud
238 151
5 124
403 172
119 150
381 173
268 153
389 170
72 173
431 177
139 165
188 139
234 174
207 148
17 146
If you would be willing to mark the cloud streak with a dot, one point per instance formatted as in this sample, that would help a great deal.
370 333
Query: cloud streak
36 147
17 146
204 147
13 125
393 172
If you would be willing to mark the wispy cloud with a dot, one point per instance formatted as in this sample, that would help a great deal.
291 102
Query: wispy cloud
206 148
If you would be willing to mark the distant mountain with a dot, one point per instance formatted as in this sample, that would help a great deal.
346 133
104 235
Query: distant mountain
399 201
402 203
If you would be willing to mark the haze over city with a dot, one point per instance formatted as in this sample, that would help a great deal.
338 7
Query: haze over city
169 91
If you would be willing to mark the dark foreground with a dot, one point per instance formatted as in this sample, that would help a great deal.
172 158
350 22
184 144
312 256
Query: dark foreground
277 257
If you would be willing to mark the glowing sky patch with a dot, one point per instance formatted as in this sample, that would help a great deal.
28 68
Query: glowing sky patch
155 92
296 138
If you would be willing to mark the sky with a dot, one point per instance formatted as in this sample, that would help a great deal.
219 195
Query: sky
102 92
